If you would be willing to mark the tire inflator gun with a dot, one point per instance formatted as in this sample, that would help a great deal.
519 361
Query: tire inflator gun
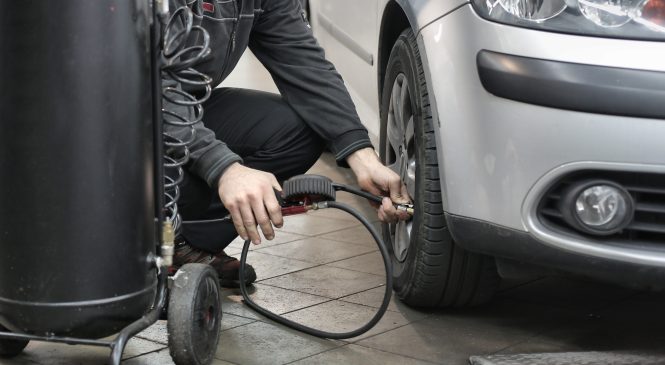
301 194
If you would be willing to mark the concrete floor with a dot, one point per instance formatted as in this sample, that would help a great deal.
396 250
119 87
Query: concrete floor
323 270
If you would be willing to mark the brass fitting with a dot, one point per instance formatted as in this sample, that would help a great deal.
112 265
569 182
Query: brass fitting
405 207
168 243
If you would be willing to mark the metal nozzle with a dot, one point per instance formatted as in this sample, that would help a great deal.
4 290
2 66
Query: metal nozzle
168 243
405 207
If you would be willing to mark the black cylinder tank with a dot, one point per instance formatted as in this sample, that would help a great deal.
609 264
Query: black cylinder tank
76 184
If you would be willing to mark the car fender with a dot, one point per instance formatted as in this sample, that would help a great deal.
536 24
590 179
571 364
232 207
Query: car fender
423 12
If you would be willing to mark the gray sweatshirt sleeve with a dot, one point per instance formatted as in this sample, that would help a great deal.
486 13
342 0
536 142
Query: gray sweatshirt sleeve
208 156
283 41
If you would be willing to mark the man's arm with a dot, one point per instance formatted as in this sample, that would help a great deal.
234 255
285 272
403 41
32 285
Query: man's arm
283 41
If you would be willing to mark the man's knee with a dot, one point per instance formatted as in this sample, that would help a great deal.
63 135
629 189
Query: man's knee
293 134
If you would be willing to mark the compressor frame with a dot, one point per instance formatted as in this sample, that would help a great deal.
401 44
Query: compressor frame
163 230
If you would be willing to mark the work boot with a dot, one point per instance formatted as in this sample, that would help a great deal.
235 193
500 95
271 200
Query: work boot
227 267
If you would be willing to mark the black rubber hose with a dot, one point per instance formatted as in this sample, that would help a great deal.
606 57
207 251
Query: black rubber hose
356 191
313 331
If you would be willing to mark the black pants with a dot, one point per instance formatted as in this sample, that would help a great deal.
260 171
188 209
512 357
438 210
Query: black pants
267 134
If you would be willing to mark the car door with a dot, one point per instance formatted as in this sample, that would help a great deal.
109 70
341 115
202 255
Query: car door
348 31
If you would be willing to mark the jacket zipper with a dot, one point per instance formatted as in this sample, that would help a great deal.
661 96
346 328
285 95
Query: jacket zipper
232 43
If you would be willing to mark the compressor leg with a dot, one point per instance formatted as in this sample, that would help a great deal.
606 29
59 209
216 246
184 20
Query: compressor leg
118 345
11 348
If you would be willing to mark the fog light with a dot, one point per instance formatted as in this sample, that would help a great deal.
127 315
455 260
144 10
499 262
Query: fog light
597 207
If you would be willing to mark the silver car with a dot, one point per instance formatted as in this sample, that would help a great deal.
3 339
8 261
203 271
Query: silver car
530 133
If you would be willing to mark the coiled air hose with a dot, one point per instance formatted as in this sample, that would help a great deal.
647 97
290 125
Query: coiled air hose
312 192
185 45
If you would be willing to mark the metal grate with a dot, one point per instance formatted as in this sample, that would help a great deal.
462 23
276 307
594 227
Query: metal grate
567 358
647 190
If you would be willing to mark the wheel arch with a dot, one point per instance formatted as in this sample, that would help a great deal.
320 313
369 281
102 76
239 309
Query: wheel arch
394 20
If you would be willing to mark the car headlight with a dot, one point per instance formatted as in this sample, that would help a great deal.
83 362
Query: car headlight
634 19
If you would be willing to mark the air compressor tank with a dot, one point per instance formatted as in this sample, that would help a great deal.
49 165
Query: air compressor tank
76 187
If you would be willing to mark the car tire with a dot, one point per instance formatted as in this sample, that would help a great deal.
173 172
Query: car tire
430 269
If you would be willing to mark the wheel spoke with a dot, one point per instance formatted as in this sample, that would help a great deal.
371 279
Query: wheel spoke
398 165
401 241
410 176
394 136
408 131
396 102
405 102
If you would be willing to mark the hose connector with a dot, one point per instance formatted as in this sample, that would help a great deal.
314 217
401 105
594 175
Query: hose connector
408 208
168 244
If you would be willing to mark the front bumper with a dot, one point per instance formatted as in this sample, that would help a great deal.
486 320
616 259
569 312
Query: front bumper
498 152
520 246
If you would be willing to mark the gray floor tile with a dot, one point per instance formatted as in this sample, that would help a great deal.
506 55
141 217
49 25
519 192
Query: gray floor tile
569 292
263 343
370 263
268 266
280 237
156 333
317 250
357 355
232 304
278 300
60 354
338 316
313 226
452 337
358 235
232 321
162 358
139 346
374 298
327 281
332 213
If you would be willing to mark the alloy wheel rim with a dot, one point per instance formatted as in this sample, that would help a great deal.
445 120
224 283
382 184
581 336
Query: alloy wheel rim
401 157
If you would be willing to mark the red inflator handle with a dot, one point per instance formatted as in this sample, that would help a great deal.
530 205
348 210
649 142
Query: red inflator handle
293 210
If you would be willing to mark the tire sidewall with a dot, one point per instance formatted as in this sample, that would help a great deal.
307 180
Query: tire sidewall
404 60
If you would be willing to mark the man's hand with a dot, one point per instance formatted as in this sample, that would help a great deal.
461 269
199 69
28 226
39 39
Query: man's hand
377 179
249 196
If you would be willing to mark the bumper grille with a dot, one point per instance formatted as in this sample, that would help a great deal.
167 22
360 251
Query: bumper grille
647 190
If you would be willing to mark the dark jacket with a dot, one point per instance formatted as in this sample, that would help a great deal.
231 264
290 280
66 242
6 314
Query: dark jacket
280 37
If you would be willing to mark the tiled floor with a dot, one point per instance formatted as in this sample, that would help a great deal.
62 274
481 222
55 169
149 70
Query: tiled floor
323 270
